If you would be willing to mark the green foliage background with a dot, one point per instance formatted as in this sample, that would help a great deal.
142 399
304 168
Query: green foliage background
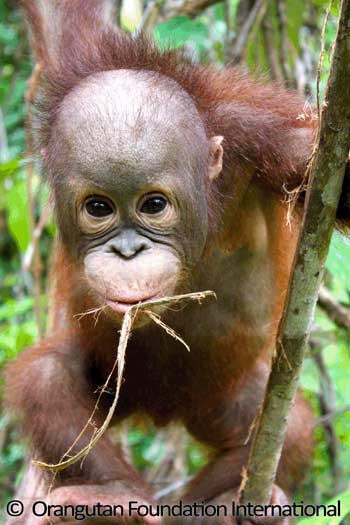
204 38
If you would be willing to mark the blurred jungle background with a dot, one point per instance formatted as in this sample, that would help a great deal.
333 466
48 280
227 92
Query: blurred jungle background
279 39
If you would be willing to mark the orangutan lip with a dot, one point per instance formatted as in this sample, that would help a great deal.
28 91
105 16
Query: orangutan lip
121 307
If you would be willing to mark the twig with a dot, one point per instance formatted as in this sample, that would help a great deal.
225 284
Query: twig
117 11
173 487
119 363
63 464
187 7
37 232
326 178
256 14
282 25
331 415
149 17
327 405
270 48
242 12
229 37
156 319
335 311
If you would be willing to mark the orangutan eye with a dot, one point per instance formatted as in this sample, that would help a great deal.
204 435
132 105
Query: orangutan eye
154 205
98 207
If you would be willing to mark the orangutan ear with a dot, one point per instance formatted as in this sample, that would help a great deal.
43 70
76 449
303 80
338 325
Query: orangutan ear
216 155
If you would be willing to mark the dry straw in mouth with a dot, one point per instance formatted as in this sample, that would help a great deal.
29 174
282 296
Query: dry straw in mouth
128 320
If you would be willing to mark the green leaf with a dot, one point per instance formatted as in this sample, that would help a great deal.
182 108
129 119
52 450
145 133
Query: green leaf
7 169
8 35
295 15
344 499
13 308
179 30
18 218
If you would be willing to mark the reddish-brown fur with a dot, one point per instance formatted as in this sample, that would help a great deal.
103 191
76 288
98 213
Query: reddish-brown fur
216 389
253 128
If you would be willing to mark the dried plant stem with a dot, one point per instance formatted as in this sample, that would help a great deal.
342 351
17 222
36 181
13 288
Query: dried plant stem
128 321
155 318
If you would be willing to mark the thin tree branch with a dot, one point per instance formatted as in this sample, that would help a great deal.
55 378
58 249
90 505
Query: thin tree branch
229 37
327 405
335 311
117 11
255 15
187 7
284 45
36 234
149 17
327 169
331 415
270 48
